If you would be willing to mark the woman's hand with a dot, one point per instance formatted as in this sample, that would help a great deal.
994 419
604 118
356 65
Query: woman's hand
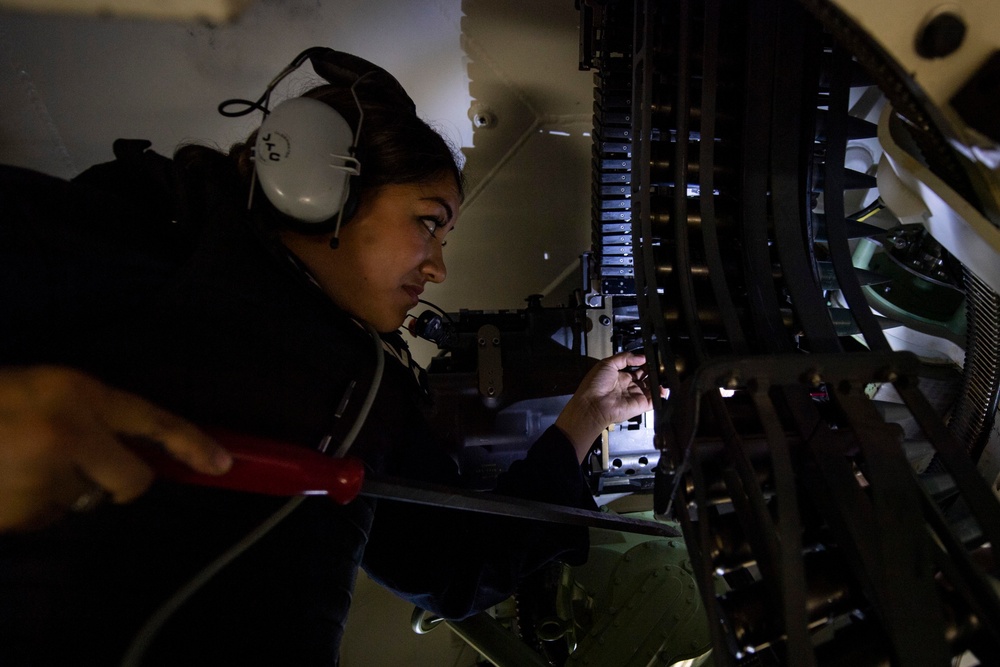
614 390
60 446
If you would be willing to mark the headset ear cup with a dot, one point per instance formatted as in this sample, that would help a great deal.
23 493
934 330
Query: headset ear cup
303 162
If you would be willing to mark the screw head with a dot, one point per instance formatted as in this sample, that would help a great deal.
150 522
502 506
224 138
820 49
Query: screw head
484 119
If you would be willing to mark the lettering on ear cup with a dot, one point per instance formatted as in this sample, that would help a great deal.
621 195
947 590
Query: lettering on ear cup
303 161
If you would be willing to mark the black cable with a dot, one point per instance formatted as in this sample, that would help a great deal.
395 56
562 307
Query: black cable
261 103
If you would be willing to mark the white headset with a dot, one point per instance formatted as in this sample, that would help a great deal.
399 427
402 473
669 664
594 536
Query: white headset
304 152
303 159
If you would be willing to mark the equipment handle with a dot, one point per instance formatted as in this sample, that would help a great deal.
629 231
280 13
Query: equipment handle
263 465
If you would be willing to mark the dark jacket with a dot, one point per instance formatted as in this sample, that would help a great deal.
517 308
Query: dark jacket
151 277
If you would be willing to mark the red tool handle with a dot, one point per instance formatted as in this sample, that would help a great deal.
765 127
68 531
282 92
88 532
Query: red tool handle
262 465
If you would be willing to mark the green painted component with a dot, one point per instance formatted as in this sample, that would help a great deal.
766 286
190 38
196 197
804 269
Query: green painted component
646 609
918 303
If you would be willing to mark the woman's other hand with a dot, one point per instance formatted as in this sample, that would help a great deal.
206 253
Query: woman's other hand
60 448
614 390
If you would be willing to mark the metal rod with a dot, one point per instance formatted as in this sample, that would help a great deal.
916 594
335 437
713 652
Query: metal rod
788 154
521 508
833 203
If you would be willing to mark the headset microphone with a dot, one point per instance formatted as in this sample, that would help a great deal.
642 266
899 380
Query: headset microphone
431 326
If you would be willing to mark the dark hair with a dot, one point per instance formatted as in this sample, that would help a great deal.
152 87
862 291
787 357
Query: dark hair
395 147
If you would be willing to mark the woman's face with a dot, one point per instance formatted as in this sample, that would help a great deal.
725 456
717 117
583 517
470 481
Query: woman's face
387 252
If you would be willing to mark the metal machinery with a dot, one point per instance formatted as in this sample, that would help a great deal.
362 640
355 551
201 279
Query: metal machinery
795 213
800 207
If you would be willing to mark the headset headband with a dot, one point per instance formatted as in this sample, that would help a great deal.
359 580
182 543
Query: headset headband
371 83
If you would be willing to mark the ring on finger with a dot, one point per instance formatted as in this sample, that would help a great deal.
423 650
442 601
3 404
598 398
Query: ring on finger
92 498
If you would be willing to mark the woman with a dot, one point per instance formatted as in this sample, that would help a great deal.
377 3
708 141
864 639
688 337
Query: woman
151 276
